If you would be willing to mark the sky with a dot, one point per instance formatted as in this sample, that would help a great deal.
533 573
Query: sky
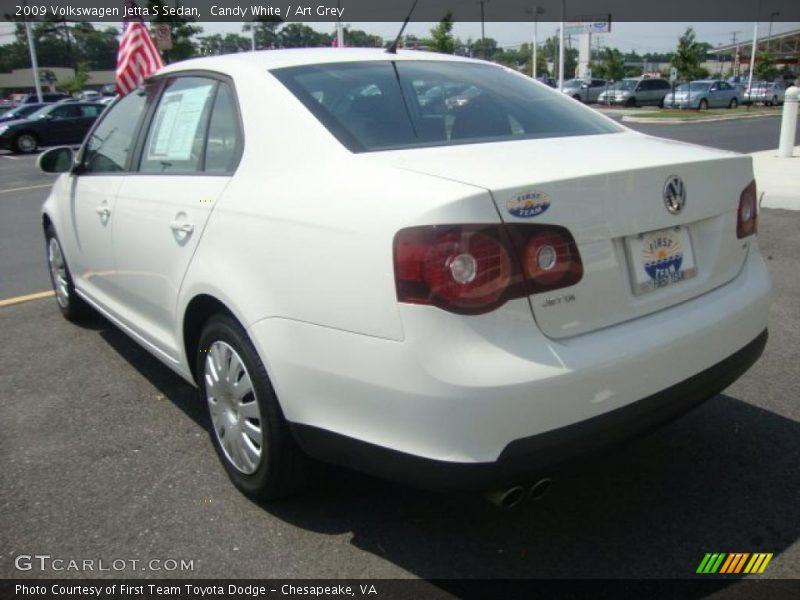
642 37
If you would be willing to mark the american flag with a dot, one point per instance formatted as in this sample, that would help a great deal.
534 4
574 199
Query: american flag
137 57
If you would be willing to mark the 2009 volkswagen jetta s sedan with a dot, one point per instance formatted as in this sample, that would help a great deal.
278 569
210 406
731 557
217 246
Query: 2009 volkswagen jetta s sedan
354 267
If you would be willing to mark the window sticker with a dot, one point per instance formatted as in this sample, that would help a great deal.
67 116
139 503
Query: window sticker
177 123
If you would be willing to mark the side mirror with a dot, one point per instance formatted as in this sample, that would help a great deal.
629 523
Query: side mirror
56 160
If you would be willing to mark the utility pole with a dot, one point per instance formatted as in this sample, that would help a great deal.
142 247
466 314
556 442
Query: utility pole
34 62
538 10
753 48
769 33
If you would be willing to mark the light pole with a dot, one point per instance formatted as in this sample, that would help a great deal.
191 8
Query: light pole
753 49
536 12
483 35
769 34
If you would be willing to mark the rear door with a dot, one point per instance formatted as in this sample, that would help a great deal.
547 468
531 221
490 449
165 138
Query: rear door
60 125
186 159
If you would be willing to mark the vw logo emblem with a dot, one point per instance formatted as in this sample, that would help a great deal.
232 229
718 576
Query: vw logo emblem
674 194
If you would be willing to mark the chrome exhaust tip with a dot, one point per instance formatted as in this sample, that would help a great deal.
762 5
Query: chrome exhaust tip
507 498
539 489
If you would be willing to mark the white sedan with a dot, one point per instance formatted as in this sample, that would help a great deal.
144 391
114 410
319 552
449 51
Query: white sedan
455 295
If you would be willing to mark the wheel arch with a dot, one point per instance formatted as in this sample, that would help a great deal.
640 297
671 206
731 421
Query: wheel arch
199 309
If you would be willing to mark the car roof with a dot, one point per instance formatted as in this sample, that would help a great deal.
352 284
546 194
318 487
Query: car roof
293 57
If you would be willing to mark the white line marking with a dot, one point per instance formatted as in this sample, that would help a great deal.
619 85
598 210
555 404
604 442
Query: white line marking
29 187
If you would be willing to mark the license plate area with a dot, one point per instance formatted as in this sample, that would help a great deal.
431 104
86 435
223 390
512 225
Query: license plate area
659 259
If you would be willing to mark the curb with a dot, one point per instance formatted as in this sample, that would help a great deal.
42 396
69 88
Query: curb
682 121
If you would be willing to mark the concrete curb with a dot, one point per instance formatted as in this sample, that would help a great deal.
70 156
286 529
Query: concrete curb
682 121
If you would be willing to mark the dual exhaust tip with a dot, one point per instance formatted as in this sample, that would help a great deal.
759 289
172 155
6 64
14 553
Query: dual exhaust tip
511 497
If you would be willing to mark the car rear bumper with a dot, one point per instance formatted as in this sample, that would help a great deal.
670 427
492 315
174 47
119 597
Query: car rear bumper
524 459
471 393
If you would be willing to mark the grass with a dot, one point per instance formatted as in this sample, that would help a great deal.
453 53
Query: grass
690 113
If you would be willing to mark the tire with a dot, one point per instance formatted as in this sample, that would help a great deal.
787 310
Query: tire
734 103
661 103
577 97
25 142
69 303
631 102
703 105
774 101
250 434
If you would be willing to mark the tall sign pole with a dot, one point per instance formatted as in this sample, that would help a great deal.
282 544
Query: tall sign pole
561 49
34 62
753 49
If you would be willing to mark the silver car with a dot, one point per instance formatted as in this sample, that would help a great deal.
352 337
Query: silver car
587 91
636 92
703 94
768 93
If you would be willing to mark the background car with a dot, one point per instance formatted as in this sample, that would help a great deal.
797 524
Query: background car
765 92
46 97
703 94
51 125
636 92
21 111
586 91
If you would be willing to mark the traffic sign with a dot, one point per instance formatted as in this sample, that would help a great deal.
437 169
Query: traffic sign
673 75
163 36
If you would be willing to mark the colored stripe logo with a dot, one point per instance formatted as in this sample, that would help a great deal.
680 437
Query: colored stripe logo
734 563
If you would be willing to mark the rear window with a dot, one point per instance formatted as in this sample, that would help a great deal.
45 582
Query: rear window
383 105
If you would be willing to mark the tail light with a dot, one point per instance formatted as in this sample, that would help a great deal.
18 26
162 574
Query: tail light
473 269
747 215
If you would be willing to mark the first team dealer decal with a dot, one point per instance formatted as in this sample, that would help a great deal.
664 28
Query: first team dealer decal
528 204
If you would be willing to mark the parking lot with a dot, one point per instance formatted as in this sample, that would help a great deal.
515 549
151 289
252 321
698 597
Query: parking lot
104 454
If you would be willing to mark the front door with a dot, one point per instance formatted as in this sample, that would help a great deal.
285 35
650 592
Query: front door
93 192
186 161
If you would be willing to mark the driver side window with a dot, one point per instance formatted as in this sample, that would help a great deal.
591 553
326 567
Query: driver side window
111 142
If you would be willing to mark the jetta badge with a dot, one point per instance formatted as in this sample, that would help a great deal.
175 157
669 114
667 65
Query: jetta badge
674 194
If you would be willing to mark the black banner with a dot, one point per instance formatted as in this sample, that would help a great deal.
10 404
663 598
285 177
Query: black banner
398 589
397 10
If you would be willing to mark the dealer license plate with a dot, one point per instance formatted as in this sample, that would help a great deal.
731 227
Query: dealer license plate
660 258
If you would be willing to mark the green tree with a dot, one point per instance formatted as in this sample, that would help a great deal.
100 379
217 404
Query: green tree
77 82
297 35
689 55
183 32
227 44
765 66
442 39
356 38
612 64
266 31
485 48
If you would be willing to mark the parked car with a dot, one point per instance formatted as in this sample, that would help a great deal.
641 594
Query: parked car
51 125
586 91
456 299
46 98
703 94
548 81
90 96
21 111
765 92
636 92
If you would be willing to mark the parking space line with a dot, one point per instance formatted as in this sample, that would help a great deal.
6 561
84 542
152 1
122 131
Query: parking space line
26 298
29 187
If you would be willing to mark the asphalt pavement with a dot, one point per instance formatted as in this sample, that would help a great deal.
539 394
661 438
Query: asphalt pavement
104 453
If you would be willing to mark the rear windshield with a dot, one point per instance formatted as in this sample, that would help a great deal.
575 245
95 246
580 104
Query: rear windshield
383 105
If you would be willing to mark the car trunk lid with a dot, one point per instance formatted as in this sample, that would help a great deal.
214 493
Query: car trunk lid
609 191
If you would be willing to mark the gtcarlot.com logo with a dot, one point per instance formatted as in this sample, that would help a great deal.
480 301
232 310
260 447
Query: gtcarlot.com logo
721 563
45 562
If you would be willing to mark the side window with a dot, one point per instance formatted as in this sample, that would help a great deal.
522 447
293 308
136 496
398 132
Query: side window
89 110
68 111
175 141
224 137
110 143
714 87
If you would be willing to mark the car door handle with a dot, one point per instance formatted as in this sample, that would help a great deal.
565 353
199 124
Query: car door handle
181 227
103 211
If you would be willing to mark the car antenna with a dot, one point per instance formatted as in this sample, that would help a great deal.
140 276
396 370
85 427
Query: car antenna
393 48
